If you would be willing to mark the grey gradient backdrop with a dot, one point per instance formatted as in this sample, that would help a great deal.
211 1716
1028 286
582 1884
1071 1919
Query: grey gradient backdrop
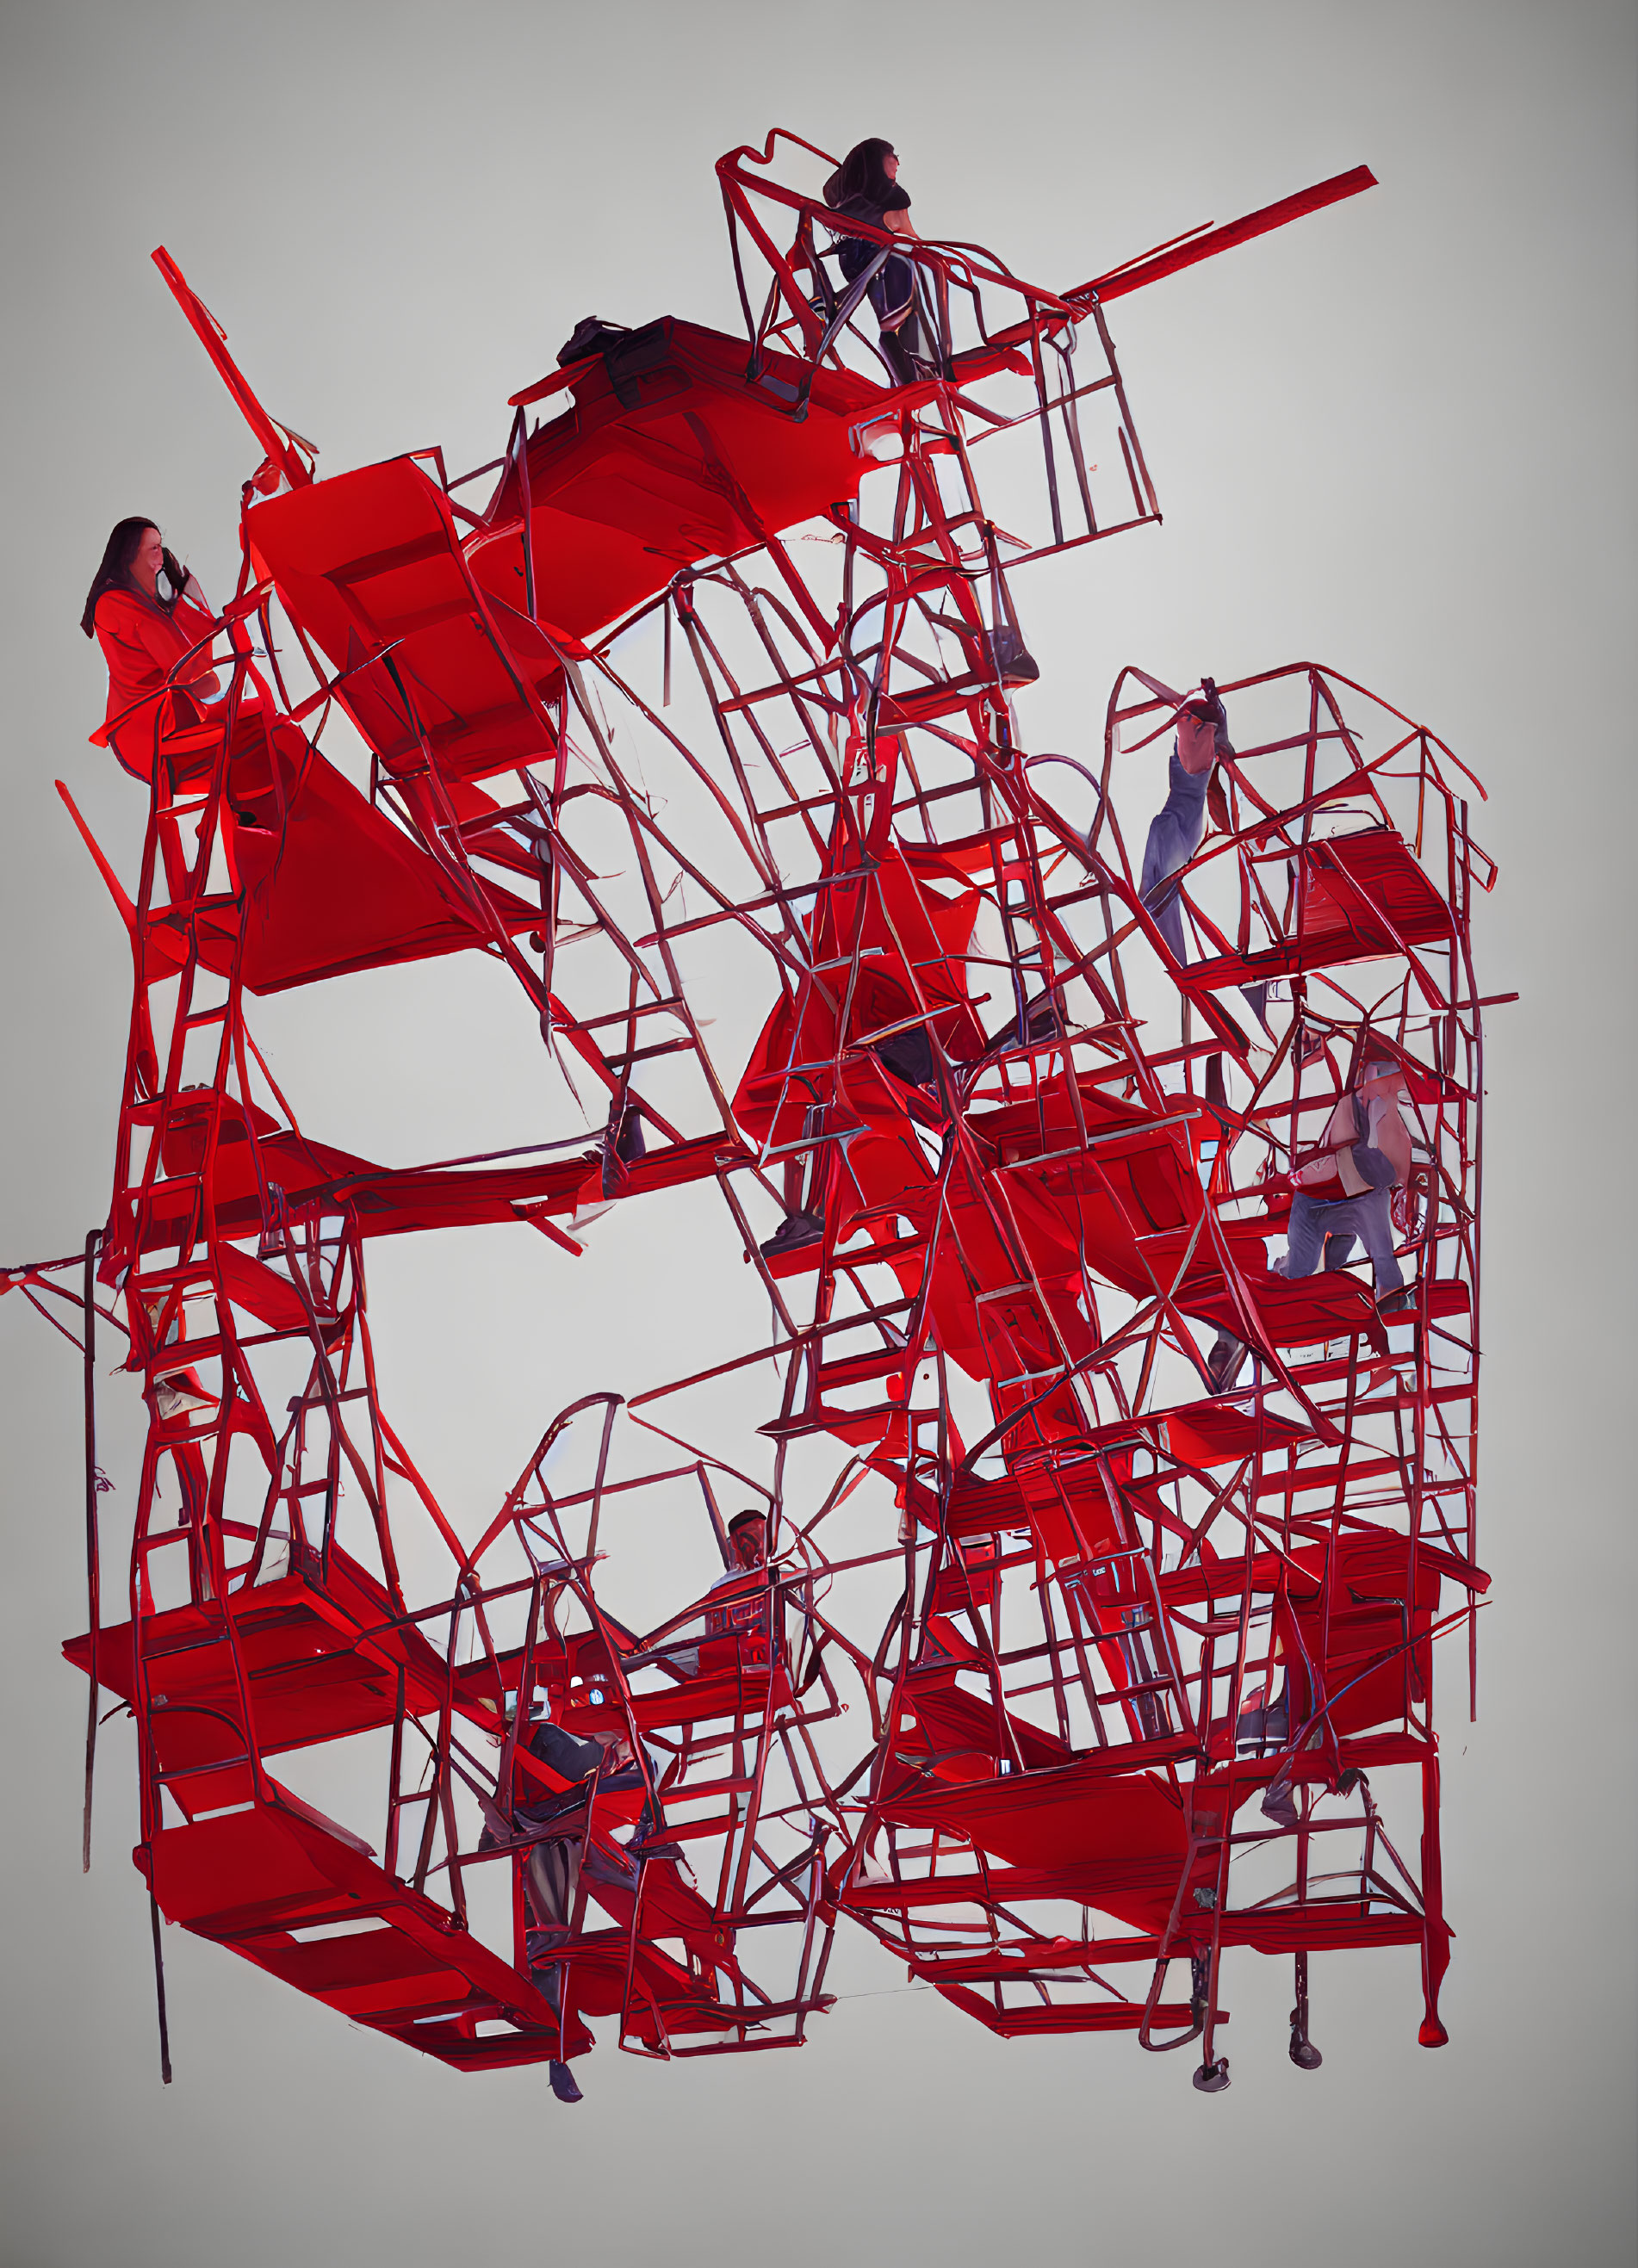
1396 440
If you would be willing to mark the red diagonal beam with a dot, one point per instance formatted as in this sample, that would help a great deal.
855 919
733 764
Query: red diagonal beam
213 339
1152 267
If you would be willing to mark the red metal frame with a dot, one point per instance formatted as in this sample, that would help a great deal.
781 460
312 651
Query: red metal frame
1018 1236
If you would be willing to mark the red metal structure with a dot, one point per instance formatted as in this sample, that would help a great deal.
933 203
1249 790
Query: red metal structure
1139 1653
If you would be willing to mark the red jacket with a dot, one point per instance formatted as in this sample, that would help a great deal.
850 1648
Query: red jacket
142 644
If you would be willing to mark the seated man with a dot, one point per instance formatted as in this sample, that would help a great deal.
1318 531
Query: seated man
749 1615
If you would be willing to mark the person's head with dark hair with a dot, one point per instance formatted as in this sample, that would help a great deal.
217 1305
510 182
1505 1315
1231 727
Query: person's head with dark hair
748 1537
133 560
868 171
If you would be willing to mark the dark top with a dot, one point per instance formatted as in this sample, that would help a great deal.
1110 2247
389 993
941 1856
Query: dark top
856 253
876 209
578 1760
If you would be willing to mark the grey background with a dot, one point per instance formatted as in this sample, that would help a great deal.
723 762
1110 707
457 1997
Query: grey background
1396 440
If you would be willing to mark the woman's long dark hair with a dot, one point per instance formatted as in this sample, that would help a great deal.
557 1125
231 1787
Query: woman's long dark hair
114 574
861 174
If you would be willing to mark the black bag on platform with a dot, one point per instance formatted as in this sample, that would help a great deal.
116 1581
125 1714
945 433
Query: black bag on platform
626 354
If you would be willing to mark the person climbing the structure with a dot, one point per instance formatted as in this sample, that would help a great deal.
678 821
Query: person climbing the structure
1344 1191
1343 1195
865 186
556 1853
1177 828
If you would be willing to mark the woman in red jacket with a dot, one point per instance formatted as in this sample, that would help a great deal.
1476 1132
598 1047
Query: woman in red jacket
145 629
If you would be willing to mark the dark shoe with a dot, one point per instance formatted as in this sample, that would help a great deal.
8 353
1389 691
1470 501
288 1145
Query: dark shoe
1277 1724
795 1230
1304 2054
1396 1303
1225 1361
653 1850
562 2084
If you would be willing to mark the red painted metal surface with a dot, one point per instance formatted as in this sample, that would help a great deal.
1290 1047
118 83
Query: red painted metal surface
1075 1665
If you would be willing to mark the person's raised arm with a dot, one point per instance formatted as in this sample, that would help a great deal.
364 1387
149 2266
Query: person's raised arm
1197 743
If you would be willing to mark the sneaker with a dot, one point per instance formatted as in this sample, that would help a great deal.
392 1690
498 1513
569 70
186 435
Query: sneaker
794 1230
1396 1303
562 2080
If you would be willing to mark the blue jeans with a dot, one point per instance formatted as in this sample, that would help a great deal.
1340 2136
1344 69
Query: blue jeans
1330 1225
1175 833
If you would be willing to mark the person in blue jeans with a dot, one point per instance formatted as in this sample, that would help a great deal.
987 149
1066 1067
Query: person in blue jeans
1177 828
1343 1197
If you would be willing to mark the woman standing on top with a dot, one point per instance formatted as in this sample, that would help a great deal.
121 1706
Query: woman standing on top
865 186
145 631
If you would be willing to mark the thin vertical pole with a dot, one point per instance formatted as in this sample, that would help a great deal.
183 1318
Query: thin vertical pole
93 1572
158 1987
